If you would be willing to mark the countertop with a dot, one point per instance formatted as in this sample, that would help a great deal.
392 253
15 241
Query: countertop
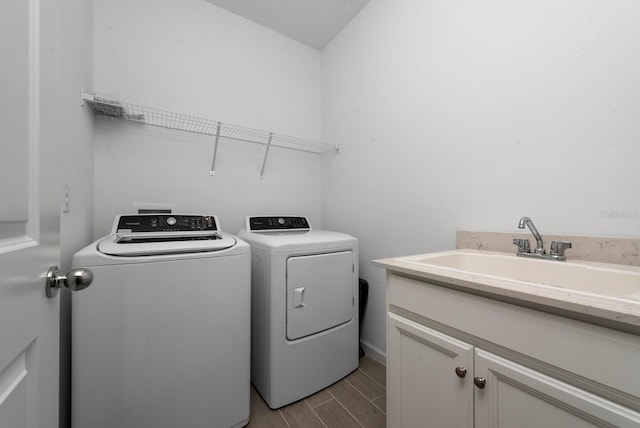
611 311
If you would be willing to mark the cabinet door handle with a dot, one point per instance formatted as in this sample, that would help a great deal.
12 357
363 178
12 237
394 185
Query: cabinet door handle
480 382
461 372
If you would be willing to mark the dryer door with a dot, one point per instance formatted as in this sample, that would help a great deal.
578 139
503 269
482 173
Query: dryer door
320 292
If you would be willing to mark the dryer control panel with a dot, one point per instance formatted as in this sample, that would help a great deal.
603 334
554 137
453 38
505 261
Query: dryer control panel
165 223
277 223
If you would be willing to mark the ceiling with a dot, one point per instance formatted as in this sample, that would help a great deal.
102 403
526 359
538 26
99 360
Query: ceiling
312 22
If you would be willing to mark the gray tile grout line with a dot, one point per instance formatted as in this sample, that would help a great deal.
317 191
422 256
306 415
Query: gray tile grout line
360 392
372 378
325 401
377 396
383 411
283 418
345 408
373 360
317 415
333 397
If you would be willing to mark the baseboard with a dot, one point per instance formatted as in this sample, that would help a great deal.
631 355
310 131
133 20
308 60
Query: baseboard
374 353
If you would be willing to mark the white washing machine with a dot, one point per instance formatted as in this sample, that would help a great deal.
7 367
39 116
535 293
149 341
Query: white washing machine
304 303
162 337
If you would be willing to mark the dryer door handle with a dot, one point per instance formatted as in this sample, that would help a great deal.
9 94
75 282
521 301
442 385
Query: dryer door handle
298 297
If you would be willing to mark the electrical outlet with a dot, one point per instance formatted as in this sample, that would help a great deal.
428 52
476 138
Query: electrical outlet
66 197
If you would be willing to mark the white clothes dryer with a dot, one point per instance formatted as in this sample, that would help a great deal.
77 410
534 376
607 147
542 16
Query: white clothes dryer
162 337
304 303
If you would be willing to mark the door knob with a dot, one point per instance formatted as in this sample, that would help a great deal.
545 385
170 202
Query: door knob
77 279
461 372
480 382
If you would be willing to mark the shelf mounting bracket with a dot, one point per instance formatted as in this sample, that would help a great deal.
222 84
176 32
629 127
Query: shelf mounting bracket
212 171
266 153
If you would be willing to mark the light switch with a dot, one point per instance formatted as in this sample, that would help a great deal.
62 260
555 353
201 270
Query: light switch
66 197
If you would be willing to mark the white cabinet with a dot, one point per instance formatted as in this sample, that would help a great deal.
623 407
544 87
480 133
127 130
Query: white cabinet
421 364
515 396
456 360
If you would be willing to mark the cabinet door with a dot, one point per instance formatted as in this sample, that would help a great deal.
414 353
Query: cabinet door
515 396
424 389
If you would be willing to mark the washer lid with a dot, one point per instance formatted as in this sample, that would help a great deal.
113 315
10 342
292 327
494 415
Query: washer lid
146 244
312 241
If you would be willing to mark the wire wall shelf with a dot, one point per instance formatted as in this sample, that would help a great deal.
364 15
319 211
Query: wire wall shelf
105 105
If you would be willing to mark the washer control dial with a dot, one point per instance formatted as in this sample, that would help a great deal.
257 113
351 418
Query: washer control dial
171 221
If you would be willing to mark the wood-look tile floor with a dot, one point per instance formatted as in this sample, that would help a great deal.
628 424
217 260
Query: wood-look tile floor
357 401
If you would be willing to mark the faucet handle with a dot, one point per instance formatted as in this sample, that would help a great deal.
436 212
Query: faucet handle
523 245
558 247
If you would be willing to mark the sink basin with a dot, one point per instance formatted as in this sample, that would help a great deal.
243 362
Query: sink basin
600 293
607 280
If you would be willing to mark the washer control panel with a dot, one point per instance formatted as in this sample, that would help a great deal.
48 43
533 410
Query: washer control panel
278 223
165 223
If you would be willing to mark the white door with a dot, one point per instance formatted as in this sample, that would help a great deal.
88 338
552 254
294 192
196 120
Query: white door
29 229
320 292
515 396
430 377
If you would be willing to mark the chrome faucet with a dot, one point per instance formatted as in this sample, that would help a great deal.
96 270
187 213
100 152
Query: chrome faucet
524 248
539 244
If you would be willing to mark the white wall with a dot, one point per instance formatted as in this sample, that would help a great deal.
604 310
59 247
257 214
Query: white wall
67 131
190 57
458 114
75 145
